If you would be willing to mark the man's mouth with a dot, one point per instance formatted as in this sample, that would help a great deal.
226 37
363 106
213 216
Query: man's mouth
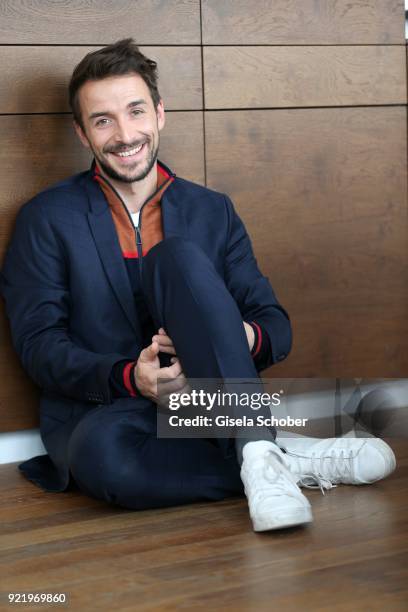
130 152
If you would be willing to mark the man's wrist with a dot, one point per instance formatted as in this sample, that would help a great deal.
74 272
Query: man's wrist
122 379
261 351
129 378
258 336
249 330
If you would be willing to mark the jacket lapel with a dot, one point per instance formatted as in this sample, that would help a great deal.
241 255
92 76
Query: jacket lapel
107 243
173 222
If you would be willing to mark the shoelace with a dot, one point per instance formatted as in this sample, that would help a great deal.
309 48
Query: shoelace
312 481
278 475
324 470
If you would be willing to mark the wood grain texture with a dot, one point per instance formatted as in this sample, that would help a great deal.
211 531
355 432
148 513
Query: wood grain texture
19 397
251 77
310 22
323 195
36 152
99 22
35 79
206 555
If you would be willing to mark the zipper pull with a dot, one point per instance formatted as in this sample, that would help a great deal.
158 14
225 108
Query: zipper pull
138 236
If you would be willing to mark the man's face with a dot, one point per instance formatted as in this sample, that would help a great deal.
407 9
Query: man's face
121 126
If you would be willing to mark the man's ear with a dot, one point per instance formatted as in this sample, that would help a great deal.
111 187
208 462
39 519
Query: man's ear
81 135
161 119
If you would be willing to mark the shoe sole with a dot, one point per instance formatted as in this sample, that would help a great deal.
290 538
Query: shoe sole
296 517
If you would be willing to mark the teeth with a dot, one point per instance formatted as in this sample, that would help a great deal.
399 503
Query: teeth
131 152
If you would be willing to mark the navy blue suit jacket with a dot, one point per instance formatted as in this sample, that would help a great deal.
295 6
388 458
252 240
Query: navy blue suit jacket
69 299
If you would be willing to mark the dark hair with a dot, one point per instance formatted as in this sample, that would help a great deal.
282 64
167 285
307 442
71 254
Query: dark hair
120 58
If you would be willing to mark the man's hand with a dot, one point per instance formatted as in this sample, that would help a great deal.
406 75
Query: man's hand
165 342
148 371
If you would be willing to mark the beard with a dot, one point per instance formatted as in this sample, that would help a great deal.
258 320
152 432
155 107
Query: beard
140 173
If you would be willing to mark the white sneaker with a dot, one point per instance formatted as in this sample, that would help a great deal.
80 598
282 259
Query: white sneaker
275 501
331 461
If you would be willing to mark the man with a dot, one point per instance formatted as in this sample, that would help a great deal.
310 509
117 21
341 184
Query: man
125 274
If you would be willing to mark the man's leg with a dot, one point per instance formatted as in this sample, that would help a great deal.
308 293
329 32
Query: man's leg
114 455
188 298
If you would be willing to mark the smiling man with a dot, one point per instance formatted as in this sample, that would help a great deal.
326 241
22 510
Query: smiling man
120 122
125 274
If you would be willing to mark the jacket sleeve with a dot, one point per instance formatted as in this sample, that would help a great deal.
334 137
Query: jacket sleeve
253 292
35 286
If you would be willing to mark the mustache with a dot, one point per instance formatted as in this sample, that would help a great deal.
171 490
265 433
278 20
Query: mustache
123 146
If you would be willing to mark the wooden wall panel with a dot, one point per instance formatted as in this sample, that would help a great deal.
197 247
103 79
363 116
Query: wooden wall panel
305 22
182 145
99 22
35 79
19 397
36 152
323 195
259 77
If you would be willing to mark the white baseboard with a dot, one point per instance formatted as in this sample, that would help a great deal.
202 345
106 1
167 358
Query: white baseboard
20 445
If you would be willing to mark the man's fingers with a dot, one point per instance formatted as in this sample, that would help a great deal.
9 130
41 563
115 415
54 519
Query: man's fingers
150 352
169 387
172 371
185 388
163 340
172 385
170 380
170 350
175 369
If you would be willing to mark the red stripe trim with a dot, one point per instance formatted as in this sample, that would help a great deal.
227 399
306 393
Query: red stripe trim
162 171
133 254
258 346
126 378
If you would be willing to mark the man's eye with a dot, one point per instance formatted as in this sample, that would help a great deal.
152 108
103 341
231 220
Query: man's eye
136 111
102 122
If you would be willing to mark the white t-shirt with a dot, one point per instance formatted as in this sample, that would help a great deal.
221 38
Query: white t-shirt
135 218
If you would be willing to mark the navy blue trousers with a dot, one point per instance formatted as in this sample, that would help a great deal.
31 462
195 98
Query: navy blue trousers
114 452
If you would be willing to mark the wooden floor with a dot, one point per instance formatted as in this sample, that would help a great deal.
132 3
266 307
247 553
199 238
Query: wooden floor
353 557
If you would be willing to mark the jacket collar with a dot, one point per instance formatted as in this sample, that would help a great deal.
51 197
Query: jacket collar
173 224
96 198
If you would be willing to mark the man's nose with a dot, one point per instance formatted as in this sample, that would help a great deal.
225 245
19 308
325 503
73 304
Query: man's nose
123 131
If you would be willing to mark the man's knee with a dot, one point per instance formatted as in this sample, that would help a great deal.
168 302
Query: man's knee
101 462
179 250
179 261
125 483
